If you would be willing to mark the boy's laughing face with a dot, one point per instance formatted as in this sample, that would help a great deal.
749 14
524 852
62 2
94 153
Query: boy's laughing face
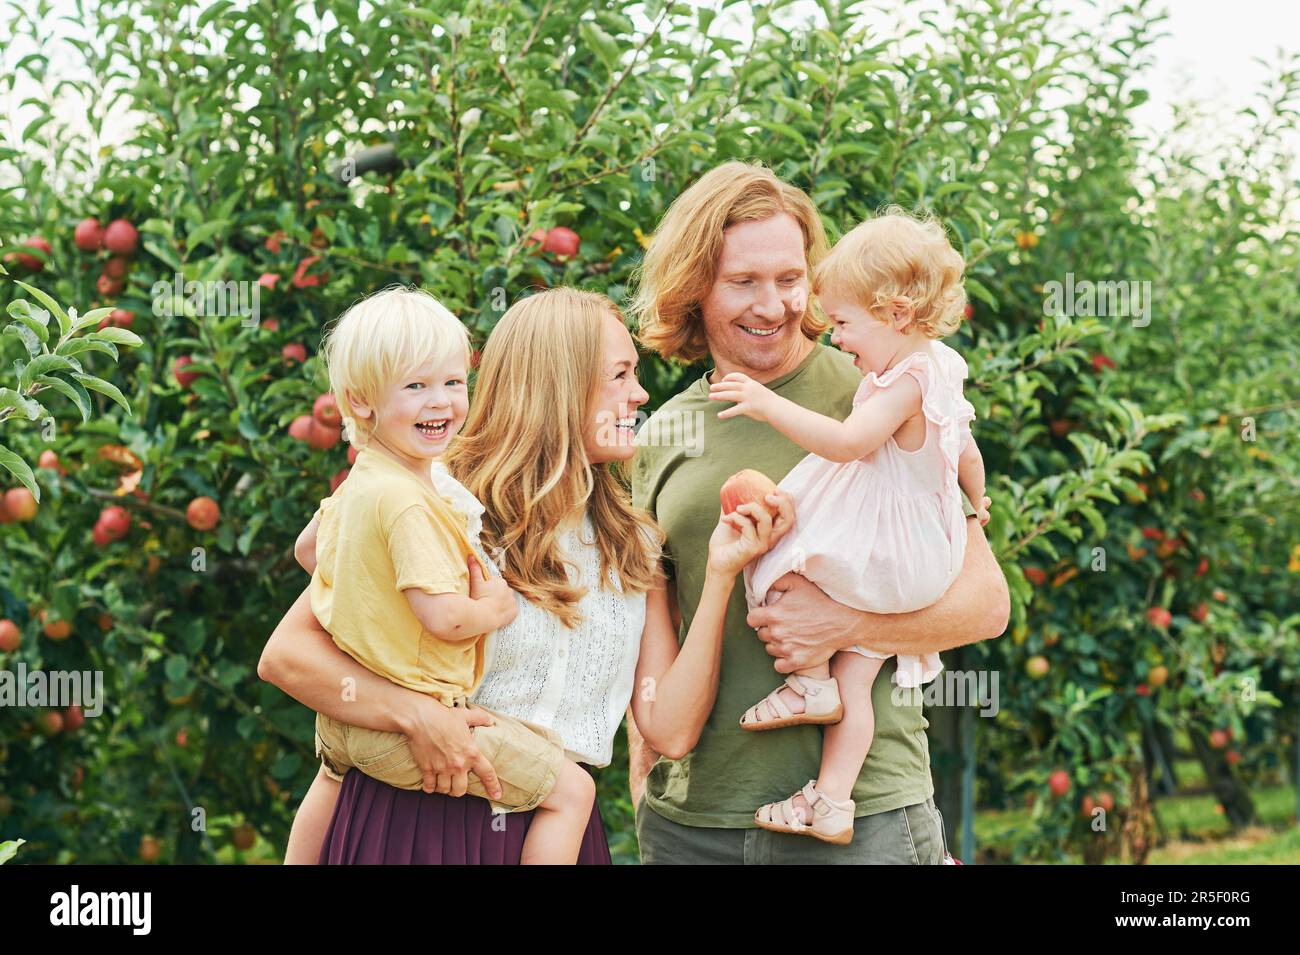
418 415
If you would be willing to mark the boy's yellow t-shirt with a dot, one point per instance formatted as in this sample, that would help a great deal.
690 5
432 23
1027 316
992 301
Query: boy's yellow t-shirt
382 532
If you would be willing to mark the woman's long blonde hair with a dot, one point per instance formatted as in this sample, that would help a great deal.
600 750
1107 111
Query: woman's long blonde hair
681 261
522 452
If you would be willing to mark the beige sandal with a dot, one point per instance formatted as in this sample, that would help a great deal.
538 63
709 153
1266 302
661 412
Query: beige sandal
821 705
831 821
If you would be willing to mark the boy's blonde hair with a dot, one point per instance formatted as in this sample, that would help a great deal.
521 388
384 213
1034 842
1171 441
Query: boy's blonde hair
682 258
381 338
899 259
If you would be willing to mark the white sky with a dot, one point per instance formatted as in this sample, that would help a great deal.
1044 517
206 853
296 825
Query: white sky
1209 56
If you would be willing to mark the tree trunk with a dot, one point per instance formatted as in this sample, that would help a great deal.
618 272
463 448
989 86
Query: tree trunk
1227 788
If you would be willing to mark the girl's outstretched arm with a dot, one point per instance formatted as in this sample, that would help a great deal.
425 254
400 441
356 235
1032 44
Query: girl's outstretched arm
869 426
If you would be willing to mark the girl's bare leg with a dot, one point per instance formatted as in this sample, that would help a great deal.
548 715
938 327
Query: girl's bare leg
313 819
845 744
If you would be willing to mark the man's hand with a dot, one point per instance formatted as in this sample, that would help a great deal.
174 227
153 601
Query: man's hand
800 625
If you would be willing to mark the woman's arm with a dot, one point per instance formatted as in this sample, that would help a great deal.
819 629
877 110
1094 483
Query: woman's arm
868 427
676 688
804 627
302 659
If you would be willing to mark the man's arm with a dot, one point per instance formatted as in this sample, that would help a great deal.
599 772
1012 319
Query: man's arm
805 627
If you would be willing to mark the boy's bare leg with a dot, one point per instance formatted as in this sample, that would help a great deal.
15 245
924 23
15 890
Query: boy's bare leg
555 836
312 821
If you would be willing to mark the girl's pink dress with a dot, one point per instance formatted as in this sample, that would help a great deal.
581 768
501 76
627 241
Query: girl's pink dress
885 533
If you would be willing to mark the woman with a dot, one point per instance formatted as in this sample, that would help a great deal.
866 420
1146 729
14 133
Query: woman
552 417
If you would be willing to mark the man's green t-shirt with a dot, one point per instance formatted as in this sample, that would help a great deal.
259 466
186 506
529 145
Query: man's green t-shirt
685 454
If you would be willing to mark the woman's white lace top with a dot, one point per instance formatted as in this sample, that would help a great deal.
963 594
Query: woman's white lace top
577 682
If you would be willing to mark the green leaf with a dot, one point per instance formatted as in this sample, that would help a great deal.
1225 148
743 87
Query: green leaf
104 388
119 336
75 346
206 231
19 469
70 390
21 311
55 309
27 337
93 317
9 848
43 365
9 398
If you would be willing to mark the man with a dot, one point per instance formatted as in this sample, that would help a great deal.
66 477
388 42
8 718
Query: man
726 276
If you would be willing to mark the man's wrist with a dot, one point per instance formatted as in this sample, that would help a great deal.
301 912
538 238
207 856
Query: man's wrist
861 632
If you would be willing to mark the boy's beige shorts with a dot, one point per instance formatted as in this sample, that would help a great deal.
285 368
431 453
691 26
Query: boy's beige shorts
526 757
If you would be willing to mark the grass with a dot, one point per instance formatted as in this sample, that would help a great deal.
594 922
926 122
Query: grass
1193 832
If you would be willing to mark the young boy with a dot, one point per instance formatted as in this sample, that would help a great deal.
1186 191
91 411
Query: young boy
397 582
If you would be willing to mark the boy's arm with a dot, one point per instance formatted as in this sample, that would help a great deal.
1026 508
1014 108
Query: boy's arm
869 426
304 548
454 616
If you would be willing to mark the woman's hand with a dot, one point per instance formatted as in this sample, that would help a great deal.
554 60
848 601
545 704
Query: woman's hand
749 532
444 748
750 397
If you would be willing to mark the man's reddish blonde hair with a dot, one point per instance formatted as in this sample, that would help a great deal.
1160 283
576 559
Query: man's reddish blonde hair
681 261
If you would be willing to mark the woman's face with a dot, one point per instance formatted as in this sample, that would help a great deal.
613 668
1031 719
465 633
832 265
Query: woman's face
611 430
754 312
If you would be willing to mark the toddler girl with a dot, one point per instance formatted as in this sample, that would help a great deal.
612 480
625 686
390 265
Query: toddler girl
879 524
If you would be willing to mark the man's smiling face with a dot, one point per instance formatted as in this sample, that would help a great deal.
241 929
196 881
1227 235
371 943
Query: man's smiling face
753 312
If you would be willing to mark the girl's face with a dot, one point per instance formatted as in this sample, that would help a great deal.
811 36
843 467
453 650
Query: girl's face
418 415
872 343
611 431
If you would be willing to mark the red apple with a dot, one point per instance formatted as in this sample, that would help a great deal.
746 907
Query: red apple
562 241
323 437
203 514
1106 801
326 411
267 280
100 535
1142 690
273 241
243 837
1036 576
115 521
1087 804
182 736
121 237
1220 596
73 719
536 237
20 504
88 236
271 324
50 460
1203 567
338 479
115 267
10 636
150 849
54 629
1059 782
1218 739
969 311
1233 757
746 487
1153 533
50 722
184 378
1158 676
1101 361
1200 612
107 287
1037 667
294 351
28 261
301 427
1159 617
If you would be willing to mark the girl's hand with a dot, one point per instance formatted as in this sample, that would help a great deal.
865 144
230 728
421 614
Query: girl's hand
748 533
495 593
750 397
982 512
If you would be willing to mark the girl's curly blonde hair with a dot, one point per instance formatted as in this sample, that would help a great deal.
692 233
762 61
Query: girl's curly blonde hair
898 259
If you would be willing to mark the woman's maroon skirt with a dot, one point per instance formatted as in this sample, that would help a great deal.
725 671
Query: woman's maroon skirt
376 824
